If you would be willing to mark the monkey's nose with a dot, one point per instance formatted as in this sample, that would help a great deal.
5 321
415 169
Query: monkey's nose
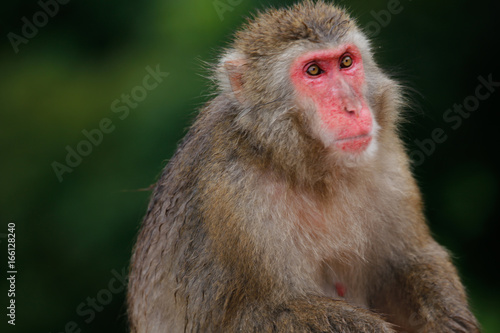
352 110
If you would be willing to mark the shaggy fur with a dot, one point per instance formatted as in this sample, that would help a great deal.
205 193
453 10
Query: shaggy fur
255 221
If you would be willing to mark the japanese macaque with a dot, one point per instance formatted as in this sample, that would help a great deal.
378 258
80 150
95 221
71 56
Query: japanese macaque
290 205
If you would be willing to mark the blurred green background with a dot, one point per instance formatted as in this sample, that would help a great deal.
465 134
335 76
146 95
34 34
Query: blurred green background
74 233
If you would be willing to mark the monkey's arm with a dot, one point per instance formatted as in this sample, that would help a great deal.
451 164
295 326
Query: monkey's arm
322 314
425 294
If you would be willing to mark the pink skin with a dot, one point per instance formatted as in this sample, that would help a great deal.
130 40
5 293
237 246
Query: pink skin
337 94
341 289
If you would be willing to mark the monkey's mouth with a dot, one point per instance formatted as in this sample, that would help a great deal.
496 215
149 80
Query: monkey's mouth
354 144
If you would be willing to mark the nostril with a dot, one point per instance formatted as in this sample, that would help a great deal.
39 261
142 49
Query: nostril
350 111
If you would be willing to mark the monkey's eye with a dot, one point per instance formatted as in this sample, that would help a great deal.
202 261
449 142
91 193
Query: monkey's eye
314 70
346 62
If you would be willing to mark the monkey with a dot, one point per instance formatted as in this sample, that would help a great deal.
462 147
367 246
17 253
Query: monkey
290 204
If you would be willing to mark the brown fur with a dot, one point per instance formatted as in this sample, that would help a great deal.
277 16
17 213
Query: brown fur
254 219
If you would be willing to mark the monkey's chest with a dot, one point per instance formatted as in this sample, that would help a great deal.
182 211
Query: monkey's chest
344 283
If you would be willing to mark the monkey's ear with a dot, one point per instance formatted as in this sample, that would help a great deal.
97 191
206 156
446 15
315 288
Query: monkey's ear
235 69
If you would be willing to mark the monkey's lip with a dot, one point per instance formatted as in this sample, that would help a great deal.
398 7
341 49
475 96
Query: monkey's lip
356 137
357 143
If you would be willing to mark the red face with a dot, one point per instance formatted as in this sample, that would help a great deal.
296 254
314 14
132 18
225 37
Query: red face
333 79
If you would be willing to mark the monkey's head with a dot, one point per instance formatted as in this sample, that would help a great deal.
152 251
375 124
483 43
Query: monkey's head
305 76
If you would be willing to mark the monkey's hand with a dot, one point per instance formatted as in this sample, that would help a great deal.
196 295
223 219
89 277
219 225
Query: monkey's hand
446 321
446 313
321 314
432 296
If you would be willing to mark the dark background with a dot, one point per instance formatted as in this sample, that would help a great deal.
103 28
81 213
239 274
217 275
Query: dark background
74 236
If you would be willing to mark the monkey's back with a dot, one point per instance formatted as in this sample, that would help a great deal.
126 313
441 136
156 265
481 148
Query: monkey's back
173 257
